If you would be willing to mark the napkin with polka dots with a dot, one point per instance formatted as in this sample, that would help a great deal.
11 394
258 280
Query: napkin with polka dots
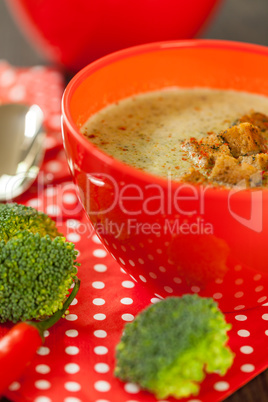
77 360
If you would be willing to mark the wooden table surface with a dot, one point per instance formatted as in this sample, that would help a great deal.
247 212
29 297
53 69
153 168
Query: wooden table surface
241 20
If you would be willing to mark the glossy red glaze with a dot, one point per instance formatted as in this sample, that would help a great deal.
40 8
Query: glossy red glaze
74 33
174 237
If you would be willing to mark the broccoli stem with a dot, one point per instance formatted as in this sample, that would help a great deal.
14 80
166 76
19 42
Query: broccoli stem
49 322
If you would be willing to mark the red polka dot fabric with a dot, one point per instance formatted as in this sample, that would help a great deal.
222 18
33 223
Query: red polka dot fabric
77 360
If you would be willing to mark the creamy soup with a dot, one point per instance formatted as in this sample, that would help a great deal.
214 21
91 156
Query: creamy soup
147 130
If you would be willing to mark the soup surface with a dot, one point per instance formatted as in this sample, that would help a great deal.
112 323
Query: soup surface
147 130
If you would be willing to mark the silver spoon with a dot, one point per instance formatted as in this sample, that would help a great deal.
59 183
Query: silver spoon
21 148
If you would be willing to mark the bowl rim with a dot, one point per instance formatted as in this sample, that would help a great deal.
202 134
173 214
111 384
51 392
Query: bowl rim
100 63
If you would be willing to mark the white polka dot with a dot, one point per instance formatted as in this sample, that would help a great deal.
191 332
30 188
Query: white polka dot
150 256
72 333
122 261
155 300
219 281
72 386
8 77
46 333
74 302
53 210
247 368
123 248
126 300
122 270
100 350
42 399
53 166
99 333
141 261
131 388
239 281
132 263
257 277
71 317
14 386
239 294
194 400
98 285
34 203
72 350
265 304
142 278
159 251
42 368
96 239
114 246
72 399
128 284
195 289
127 317
98 302
132 277
243 333
259 288
102 386
99 253
152 275
69 198
42 384
73 237
265 317
240 307
177 280
101 368
217 296
100 267
99 317
241 317
17 93
221 386
266 332
262 299
162 269
238 268
168 289
247 350
72 224
43 351
71 368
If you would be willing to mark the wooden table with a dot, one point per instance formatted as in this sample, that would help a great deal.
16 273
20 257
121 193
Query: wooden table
242 20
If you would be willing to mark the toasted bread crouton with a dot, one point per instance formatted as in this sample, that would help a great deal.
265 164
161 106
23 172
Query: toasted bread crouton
260 161
204 152
194 176
227 170
243 139
257 119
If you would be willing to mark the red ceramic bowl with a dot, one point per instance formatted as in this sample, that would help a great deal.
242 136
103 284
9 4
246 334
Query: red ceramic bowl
74 33
174 237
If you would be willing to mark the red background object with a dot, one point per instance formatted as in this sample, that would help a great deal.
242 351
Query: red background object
74 33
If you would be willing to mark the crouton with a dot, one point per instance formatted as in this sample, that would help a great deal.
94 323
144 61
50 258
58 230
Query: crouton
260 161
204 152
194 176
243 139
257 119
227 170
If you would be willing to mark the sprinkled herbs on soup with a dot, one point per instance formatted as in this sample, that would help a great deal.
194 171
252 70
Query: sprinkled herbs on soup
197 135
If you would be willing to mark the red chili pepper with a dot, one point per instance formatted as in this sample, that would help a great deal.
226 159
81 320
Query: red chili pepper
18 347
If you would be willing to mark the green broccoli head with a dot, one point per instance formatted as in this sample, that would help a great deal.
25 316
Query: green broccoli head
36 274
170 345
16 217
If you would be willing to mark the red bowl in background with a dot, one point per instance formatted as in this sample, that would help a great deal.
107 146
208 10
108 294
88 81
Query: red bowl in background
74 33
143 219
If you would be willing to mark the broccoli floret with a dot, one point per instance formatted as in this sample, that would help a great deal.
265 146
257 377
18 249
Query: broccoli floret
170 345
36 273
16 217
